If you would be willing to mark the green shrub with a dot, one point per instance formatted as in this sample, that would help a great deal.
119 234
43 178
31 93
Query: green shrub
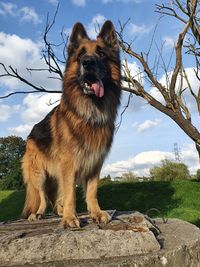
198 175
169 171
13 180
105 180
11 151
129 177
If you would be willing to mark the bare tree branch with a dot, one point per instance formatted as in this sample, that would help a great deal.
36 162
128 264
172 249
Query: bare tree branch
170 12
178 61
123 111
175 106
191 8
14 74
146 68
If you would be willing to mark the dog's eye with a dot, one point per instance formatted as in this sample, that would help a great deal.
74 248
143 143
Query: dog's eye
81 53
101 54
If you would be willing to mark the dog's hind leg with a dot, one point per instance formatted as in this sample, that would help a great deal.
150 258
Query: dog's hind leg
43 204
34 178
35 203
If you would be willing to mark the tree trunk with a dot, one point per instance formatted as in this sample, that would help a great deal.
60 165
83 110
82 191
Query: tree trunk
198 150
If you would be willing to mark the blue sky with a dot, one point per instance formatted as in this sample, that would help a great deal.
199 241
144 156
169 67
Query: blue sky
146 136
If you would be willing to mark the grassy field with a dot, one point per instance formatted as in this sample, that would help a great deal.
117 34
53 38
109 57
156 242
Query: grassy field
177 199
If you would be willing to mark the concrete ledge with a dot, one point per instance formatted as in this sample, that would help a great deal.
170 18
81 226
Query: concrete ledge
129 240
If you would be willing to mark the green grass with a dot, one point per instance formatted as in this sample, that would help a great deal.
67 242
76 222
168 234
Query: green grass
177 199
11 203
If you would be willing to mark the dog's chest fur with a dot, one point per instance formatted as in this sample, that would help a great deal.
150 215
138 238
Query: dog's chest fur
89 144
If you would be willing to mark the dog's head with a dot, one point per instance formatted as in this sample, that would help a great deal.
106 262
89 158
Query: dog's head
94 61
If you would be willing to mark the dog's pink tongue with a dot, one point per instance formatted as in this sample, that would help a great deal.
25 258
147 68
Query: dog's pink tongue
98 88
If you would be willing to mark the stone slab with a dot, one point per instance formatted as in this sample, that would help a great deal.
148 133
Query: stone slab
128 240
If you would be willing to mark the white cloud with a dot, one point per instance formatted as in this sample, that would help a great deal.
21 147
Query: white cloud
37 106
194 82
169 41
123 1
188 154
133 69
188 98
81 3
23 51
33 109
136 103
157 95
146 125
53 2
139 164
21 54
139 29
142 162
21 130
7 8
25 14
94 26
6 111
28 14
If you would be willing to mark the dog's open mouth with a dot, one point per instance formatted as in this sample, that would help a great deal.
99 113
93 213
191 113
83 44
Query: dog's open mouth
93 87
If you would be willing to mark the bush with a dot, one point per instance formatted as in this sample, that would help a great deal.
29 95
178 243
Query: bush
129 177
169 171
13 180
198 175
11 151
105 180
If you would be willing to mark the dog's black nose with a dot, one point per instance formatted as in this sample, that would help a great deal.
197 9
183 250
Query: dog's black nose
88 62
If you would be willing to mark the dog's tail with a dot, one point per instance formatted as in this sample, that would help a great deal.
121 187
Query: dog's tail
32 201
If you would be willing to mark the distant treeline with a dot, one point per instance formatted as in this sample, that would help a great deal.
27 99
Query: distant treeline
12 149
166 171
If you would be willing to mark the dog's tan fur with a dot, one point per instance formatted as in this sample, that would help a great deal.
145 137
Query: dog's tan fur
72 142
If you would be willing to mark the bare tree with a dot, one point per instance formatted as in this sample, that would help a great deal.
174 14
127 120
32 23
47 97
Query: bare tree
173 105
188 42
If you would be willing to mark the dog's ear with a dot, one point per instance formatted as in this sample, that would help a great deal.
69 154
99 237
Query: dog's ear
78 33
108 35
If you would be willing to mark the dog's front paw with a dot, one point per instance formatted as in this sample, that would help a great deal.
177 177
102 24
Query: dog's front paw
100 216
32 217
35 217
71 221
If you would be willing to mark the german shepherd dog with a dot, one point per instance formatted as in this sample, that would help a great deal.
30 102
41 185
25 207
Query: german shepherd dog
72 141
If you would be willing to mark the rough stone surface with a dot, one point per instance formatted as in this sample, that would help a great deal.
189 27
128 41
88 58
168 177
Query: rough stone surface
128 240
